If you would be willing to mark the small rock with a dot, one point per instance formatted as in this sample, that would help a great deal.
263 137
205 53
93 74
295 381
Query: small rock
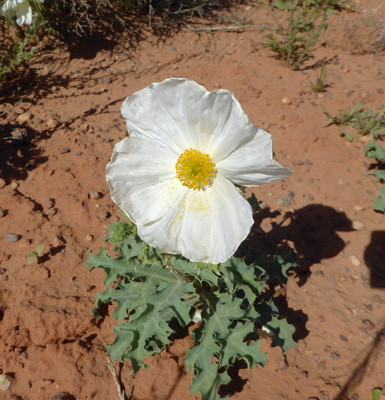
23 117
355 397
290 194
5 382
12 237
282 363
3 213
49 202
335 356
61 396
343 338
107 80
14 185
52 211
286 101
358 226
355 261
318 273
286 201
106 214
64 150
368 324
52 123
2 271
2 183
95 194
308 162
89 238
358 208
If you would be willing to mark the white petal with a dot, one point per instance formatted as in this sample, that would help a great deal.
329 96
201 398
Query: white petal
206 226
252 164
215 223
179 114
158 113
142 179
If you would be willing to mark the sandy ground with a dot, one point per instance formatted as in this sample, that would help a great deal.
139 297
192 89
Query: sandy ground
53 192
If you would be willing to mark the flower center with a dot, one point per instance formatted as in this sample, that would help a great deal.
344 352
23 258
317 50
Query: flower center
195 169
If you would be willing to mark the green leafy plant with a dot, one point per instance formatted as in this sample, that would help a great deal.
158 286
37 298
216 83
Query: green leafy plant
374 150
376 394
20 44
292 40
371 123
159 294
34 255
366 122
320 84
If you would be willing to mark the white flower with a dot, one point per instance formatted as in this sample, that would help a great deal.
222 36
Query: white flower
174 176
20 9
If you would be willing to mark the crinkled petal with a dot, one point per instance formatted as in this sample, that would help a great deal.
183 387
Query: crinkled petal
252 164
142 179
206 226
216 222
179 114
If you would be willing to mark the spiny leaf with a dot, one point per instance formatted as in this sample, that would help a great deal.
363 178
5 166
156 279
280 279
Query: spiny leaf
283 333
374 150
379 203
150 297
226 322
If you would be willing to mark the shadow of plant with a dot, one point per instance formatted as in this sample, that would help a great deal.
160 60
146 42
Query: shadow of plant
312 229
370 355
374 259
18 153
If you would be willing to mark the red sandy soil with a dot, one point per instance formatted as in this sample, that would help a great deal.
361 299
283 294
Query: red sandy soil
53 192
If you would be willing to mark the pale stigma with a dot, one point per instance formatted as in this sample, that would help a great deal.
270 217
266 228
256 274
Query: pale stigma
195 169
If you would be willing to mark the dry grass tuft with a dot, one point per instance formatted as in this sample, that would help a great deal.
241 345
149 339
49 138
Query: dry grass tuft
361 34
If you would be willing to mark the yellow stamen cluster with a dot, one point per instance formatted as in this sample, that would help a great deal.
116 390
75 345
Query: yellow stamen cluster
195 169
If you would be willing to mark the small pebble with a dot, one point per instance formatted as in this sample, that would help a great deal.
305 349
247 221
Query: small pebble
106 214
343 338
335 356
95 194
49 202
52 123
2 270
355 261
61 396
286 201
358 208
107 80
14 185
5 382
286 101
12 237
358 226
52 211
89 238
23 117
282 363
64 150
3 213
368 324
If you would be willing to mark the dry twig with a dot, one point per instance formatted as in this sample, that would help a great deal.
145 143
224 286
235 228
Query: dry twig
111 368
